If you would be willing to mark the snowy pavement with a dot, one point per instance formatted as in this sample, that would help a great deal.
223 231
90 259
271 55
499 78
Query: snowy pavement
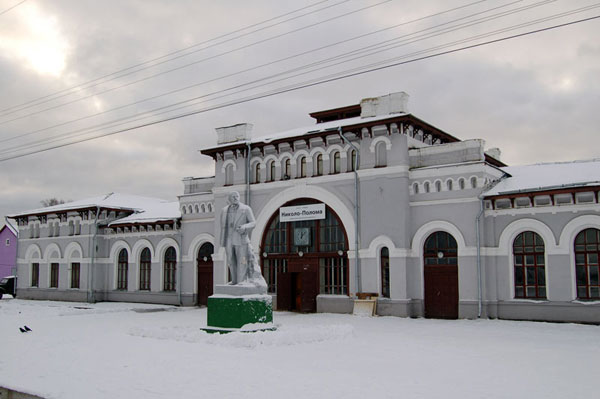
122 350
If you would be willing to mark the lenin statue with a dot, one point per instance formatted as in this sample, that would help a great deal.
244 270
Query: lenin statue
237 222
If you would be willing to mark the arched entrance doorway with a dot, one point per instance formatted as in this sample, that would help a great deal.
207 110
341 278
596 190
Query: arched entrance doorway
440 259
204 263
304 258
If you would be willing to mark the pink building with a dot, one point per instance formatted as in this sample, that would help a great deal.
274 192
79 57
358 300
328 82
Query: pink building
8 250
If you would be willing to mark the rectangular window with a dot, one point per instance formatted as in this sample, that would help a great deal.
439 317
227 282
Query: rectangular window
54 275
7 242
75 268
35 274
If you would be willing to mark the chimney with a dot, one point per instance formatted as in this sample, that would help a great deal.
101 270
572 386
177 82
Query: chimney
494 153
231 134
393 103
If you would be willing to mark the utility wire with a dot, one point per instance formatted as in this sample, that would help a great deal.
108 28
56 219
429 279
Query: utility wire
303 86
80 86
194 63
10 8
164 109
187 87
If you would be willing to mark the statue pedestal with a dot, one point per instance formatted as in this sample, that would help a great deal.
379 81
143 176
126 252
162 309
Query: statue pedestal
245 312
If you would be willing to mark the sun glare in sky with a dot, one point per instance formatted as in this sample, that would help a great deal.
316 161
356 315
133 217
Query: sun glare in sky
35 40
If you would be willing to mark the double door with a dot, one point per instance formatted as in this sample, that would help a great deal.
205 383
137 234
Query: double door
298 287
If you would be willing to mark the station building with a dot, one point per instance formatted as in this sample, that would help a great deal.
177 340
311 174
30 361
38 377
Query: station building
369 200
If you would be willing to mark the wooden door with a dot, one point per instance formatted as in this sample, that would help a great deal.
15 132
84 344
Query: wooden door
306 283
284 291
441 291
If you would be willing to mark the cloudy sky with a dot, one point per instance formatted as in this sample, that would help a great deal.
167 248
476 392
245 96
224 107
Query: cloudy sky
77 69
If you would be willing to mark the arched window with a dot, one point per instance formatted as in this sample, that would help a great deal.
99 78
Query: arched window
319 165
205 252
256 174
321 241
473 182
587 252
287 169
35 274
336 162
440 249
416 188
122 269
438 186
302 167
272 171
529 263
426 187
202 208
449 184
385 272
169 269
145 270
183 210
352 164
461 183
229 175
380 155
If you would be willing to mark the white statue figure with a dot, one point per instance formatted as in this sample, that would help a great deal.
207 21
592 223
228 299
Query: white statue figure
237 222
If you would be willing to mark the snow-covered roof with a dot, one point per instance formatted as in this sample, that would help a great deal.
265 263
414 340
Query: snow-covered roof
316 128
154 213
10 227
548 176
134 203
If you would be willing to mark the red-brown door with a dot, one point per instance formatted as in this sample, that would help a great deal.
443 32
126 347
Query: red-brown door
205 284
284 291
440 257
441 291
204 266
298 288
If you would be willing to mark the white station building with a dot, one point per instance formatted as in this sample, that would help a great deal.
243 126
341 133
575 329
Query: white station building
369 201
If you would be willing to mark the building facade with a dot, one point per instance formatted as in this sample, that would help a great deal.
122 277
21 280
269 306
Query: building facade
371 199
8 250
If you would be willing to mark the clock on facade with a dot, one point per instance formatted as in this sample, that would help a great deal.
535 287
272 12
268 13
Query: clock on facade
302 236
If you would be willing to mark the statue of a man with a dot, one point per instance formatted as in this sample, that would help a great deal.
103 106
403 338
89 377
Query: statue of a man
237 222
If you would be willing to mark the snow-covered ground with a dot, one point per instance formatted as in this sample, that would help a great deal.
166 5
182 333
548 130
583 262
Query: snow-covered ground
121 350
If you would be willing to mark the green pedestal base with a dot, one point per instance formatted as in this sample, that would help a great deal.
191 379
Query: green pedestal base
229 313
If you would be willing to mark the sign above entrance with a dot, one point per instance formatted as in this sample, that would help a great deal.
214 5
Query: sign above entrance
301 212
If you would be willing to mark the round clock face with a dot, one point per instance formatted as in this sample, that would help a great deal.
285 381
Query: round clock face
302 236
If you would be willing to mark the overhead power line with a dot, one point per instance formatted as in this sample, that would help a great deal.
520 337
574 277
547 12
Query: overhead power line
192 102
162 60
303 86
10 8
194 63
187 87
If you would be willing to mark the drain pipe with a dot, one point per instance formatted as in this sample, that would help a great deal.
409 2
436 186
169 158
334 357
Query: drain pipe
477 220
248 173
179 262
486 188
356 211
91 298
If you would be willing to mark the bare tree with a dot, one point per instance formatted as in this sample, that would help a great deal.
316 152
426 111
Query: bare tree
52 201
